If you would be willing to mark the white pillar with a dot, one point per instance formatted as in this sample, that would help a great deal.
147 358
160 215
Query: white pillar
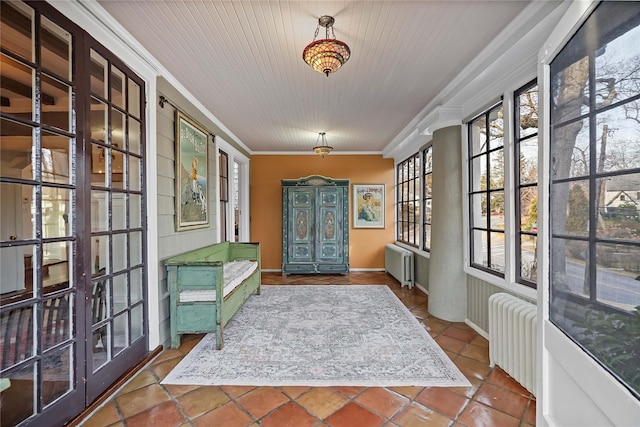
447 280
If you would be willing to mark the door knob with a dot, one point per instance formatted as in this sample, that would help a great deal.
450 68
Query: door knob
13 237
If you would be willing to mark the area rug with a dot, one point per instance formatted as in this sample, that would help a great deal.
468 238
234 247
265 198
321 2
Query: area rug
320 335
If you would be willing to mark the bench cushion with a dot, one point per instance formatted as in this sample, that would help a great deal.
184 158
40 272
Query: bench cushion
235 272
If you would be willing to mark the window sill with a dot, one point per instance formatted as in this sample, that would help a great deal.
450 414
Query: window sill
413 249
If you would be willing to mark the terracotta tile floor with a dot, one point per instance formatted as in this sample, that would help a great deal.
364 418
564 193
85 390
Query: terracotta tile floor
494 399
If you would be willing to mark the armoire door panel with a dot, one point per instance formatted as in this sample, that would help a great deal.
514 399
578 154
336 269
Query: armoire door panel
315 225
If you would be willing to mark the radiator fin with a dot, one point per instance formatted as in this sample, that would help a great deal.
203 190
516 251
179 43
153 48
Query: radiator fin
513 338
399 263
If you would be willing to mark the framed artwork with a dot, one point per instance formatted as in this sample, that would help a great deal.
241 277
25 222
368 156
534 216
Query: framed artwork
368 205
192 210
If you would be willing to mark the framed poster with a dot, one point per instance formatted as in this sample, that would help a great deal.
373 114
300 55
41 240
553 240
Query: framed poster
368 205
192 174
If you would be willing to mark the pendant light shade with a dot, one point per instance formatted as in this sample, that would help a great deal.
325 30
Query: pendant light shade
322 148
326 55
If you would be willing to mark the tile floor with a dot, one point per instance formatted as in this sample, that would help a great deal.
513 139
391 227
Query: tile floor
494 399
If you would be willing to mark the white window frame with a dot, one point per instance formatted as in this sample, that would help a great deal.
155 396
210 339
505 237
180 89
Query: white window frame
234 155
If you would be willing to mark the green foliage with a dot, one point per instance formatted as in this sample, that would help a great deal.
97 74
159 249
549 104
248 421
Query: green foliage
614 339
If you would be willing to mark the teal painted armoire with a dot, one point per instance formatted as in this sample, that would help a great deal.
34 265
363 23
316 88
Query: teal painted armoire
315 225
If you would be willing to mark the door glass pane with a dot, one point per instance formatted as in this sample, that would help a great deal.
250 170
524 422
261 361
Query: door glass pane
56 103
100 255
56 265
17 337
117 87
135 211
101 347
119 212
99 313
134 174
17 212
135 248
16 27
120 293
136 285
56 212
16 271
100 161
134 99
120 332
16 150
137 320
18 401
56 320
119 252
117 129
98 74
57 375
134 136
55 50
17 87
98 120
117 169
56 160
99 210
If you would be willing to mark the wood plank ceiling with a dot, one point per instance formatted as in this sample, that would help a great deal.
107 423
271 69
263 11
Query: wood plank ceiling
243 61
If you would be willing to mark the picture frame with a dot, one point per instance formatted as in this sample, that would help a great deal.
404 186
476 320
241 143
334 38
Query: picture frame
368 205
192 174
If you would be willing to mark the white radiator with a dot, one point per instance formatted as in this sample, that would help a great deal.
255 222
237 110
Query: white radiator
399 263
512 338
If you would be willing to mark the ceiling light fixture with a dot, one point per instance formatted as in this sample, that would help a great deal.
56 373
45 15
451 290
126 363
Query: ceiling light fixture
326 55
323 148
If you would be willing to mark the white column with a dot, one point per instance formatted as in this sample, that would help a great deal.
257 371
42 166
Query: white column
447 281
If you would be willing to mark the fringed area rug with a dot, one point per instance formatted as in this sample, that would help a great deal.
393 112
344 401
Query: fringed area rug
321 335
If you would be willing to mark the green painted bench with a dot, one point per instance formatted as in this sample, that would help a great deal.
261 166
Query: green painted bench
209 285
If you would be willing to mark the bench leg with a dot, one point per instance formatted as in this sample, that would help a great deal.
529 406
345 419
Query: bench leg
219 339
258 289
